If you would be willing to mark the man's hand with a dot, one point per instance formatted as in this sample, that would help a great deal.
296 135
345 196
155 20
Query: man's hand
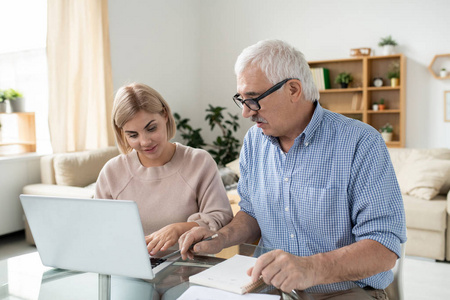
284 271
195 235
166 237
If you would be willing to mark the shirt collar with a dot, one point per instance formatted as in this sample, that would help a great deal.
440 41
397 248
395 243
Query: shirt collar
308 133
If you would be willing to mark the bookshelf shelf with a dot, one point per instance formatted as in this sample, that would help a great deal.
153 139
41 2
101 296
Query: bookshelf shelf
23 139
385 111
356 101
347 90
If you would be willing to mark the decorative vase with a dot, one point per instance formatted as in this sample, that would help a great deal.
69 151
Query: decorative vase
388 49
18 105
387 136
394 82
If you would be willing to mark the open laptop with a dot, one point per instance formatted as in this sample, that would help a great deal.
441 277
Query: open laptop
90 235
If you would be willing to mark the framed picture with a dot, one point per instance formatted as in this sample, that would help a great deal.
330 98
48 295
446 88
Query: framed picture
447 106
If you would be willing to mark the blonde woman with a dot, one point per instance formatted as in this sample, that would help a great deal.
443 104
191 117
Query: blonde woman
175 187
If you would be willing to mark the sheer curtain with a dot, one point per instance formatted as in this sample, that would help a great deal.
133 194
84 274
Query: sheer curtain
80 79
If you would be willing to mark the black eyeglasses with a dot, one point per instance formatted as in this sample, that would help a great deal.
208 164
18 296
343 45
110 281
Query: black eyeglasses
253 103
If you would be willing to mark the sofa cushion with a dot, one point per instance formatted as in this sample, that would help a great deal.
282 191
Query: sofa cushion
426 215
403 158
234 166
423 178
81 168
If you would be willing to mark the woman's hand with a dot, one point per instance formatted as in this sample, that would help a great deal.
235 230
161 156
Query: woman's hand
167 236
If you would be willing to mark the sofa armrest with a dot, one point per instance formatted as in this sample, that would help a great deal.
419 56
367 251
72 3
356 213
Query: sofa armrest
58 190
448 207
47 170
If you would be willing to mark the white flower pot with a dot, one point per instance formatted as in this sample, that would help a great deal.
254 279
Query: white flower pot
18 105
5 107
388 49
387 136
443 73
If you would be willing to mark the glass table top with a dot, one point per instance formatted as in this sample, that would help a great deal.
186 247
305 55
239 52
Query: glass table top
24 277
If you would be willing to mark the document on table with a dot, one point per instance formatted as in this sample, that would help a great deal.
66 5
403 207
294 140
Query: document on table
229 275
205 293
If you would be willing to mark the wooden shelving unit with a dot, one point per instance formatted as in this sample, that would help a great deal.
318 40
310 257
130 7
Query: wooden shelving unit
23 140
434 70
356 101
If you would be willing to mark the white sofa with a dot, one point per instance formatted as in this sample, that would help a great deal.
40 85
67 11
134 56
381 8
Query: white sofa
70 174
424 179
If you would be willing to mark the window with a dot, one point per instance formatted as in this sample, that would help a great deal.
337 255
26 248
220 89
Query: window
23 62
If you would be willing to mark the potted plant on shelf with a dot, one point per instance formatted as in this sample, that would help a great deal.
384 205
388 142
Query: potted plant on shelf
443 72
15 99
381 105
344 78
375 106
386 132
388 45
2 102
394 73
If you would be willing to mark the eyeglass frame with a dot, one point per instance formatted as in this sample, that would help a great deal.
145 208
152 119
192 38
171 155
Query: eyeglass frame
240 102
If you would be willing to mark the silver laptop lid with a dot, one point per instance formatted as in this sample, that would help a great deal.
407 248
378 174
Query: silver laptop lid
89 235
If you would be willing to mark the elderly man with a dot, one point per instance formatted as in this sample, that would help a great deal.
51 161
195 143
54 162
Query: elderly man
315 185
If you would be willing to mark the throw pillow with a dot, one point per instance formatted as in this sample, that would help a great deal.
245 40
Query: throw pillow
423 178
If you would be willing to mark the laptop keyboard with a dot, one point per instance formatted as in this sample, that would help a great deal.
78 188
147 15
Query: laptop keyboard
156 261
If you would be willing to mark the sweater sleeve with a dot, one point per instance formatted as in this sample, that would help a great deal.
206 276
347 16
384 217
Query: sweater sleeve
213 204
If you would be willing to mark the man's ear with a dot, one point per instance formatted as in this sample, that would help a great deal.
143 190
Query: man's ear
295 90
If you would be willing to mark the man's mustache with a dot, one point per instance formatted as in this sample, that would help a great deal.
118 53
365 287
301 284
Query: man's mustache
258 119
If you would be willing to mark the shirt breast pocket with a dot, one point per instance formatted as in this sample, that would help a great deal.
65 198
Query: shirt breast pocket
324 212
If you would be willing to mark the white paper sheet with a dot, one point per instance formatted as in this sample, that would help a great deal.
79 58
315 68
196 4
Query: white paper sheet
205 293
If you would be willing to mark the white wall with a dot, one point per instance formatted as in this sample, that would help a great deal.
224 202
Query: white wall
187 49
15 173
157 43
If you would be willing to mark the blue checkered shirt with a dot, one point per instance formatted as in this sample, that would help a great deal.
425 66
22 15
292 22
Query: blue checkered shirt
335 186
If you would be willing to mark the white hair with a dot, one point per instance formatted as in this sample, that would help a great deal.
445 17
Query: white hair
279 60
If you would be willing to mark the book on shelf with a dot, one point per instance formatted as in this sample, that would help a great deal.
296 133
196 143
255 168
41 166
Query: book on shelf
321 77
229 275
357 101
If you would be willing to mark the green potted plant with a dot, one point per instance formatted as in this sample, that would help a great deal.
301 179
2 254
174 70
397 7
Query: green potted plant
388 44
375 106
3 103
386 132
15 99
381 105
443 72
344 78
394 73
225 148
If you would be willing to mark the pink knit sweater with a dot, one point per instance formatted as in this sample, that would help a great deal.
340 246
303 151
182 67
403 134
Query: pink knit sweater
187 188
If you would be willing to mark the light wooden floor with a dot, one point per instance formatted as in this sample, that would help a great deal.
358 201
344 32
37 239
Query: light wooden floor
424 279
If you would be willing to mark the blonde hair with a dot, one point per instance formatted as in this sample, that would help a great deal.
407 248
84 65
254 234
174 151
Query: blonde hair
131 99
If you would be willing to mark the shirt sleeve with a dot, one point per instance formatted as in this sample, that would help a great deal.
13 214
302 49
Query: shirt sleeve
376 203
243 183
214 206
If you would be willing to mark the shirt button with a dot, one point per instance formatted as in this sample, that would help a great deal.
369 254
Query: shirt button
306 144
286 209
286 179
292 236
